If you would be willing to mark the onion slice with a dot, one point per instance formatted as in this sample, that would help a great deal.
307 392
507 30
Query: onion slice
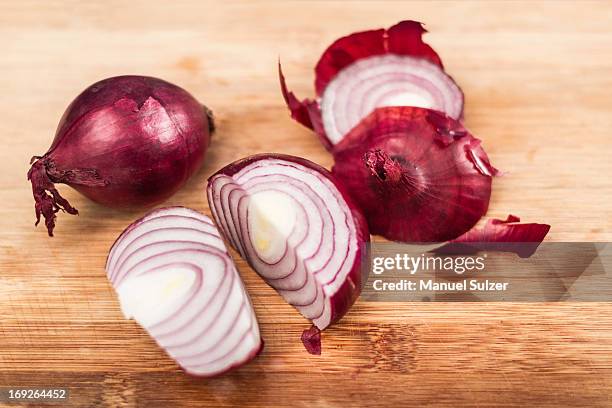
509 235
297 227
174 276
418 175
370 69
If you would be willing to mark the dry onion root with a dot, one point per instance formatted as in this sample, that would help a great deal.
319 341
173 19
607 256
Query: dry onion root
174 276
297 228
370 69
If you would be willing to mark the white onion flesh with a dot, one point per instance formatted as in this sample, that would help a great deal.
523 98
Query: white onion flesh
386 80
174 276
294 228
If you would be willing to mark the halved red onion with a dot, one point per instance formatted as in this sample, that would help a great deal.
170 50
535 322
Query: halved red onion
297 227
509 235
174 276
418 175
370 69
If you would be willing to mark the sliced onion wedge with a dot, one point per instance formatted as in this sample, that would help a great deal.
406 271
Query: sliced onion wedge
370 69
174 276
297 227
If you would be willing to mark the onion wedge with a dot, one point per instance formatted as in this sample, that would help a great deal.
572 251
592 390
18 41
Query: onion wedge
370 69
174 276
297 228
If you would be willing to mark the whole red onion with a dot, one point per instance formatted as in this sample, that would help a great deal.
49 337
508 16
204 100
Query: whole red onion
124 142
418 175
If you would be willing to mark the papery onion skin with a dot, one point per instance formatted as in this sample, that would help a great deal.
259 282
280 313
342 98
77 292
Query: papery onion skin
125 261
418 175
509 235
124 142
344 297
402 39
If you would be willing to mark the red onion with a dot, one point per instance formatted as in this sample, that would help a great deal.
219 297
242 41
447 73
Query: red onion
126 141
371 69
311 338
507 235
174 276
418 175
297 227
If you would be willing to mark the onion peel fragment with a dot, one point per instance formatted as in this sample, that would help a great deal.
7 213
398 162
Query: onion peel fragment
306 112
311 338
509 235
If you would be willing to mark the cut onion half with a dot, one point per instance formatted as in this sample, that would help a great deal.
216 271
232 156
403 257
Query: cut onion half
297 228
418 175
366 70
174 276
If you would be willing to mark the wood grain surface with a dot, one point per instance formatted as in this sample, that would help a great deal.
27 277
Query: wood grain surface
538 84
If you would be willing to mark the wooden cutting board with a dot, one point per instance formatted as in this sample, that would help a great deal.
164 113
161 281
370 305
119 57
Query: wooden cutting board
537 78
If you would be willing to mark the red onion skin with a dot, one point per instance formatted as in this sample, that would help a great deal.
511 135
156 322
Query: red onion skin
418 175
509 235
306 112
356 279
311 339
124 142
404 38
